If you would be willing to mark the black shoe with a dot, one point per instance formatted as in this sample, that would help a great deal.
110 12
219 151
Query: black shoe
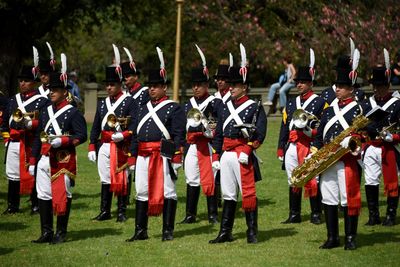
34 210
121 217
332 242
294 206
58 238
140 234
252 226
389 221
44 238
103 215
350 243
13 197
10 210
222 238
392 203
315 218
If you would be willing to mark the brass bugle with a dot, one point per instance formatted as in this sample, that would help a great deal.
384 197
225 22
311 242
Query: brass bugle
114 122
45 138
19 116
302 118
388 129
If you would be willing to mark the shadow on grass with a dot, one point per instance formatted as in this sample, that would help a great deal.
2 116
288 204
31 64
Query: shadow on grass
4 251
76 206
12 226
92 233
79 196
193 231
264 236
370 239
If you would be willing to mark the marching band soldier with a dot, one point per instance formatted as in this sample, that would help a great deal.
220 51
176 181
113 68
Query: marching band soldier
157 146
64 127
296 140
340 183
198 152
114 144
131 75
239 168
380 156
45 68
224 94
20 121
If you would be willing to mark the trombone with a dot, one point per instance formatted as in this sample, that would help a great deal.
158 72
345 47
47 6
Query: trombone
46 138
19 116
117 123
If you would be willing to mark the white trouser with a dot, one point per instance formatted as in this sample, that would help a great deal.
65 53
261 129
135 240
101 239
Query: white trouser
333 185
142 180
372 164
103 163
230 176
12 161
43 180
192 171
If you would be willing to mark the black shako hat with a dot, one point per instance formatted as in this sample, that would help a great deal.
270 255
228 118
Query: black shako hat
57 81
112 75
156 78
343 76
222 72
45 66
343 62
379 76
127 69
235 76
27 73
303 74
199 75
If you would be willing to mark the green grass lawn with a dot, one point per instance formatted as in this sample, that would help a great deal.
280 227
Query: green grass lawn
103 243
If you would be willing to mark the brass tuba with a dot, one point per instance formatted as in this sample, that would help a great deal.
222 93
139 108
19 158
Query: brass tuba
19 116
46 138
328 154
118 123
303 119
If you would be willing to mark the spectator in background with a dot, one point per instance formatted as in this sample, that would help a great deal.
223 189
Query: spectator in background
284 84
396 70
73 82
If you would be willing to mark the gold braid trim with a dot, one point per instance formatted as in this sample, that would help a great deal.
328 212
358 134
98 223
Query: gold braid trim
63 171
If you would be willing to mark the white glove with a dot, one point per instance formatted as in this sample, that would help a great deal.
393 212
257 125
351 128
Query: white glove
5 144
92 156
56 142
280 158
117 137
216 165
132 168
28 124
31 170
243 158
345 142
388 137
308 156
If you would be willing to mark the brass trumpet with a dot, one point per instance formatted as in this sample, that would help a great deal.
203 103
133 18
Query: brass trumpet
45 138
392 128
19 116
303 119
117 123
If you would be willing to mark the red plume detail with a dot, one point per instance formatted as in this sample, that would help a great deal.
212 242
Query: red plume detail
163 73
243 72
64 78
118 71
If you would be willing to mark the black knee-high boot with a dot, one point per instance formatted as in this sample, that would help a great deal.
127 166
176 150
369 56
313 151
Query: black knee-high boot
294 206
34 201
372 194
316 208
122 204
212 209
252 226
332 227
192 199
350 229
105 204
392 203
141 221
227 220
46 221
169 212
62 225
13 197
